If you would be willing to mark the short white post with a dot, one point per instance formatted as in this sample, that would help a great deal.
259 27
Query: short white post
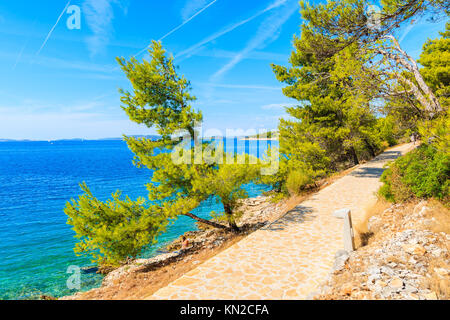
349 243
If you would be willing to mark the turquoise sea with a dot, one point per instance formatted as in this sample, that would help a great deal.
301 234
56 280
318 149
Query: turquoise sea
36 180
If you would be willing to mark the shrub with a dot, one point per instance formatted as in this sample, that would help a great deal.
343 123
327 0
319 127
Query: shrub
394 189
423 173
388 131
112 231
298 179
384 145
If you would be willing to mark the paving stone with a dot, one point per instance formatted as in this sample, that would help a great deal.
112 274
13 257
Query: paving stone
297 252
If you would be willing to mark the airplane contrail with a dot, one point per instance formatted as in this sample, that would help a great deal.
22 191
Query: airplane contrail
51 30
178 27
200 11
216 35
20 56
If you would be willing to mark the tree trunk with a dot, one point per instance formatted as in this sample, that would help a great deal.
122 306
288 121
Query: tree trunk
229 213
233 225
422 92
371 149
415 70
354 156
208 222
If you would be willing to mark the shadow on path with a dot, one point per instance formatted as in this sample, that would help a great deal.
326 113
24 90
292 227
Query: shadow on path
387 156
368 172
299 214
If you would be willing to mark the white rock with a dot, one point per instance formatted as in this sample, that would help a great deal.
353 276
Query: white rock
374 270
374 224
436 253
373 277
410 289
387 271
341 258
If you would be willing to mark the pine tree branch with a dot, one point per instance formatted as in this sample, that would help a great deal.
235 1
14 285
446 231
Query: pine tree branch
208 222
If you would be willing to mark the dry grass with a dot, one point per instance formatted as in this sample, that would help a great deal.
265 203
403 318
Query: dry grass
362 233
438 283
440 216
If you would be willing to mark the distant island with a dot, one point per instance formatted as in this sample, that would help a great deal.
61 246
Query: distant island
269 136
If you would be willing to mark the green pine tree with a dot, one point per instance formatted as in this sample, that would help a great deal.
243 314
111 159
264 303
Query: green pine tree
118 229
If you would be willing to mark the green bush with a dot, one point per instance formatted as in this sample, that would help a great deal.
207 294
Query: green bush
388 131
298 179
423 173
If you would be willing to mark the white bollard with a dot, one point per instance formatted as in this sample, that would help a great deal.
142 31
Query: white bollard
349 243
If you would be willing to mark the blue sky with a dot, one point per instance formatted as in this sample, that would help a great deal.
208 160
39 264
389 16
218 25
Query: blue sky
59 83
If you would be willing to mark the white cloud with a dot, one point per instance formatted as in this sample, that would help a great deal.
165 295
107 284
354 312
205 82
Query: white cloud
240 86
58 125
75 65
268 31
27 107
99 17
255 55
90 119
216 35
198 10
58 63
191 8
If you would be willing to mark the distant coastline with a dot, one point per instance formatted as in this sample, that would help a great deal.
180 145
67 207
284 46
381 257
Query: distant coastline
79 139
154 137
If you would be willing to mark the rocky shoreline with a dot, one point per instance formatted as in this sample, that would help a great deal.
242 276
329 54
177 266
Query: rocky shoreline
257 212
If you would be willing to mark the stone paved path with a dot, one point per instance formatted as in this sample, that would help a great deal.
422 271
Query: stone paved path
291 257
